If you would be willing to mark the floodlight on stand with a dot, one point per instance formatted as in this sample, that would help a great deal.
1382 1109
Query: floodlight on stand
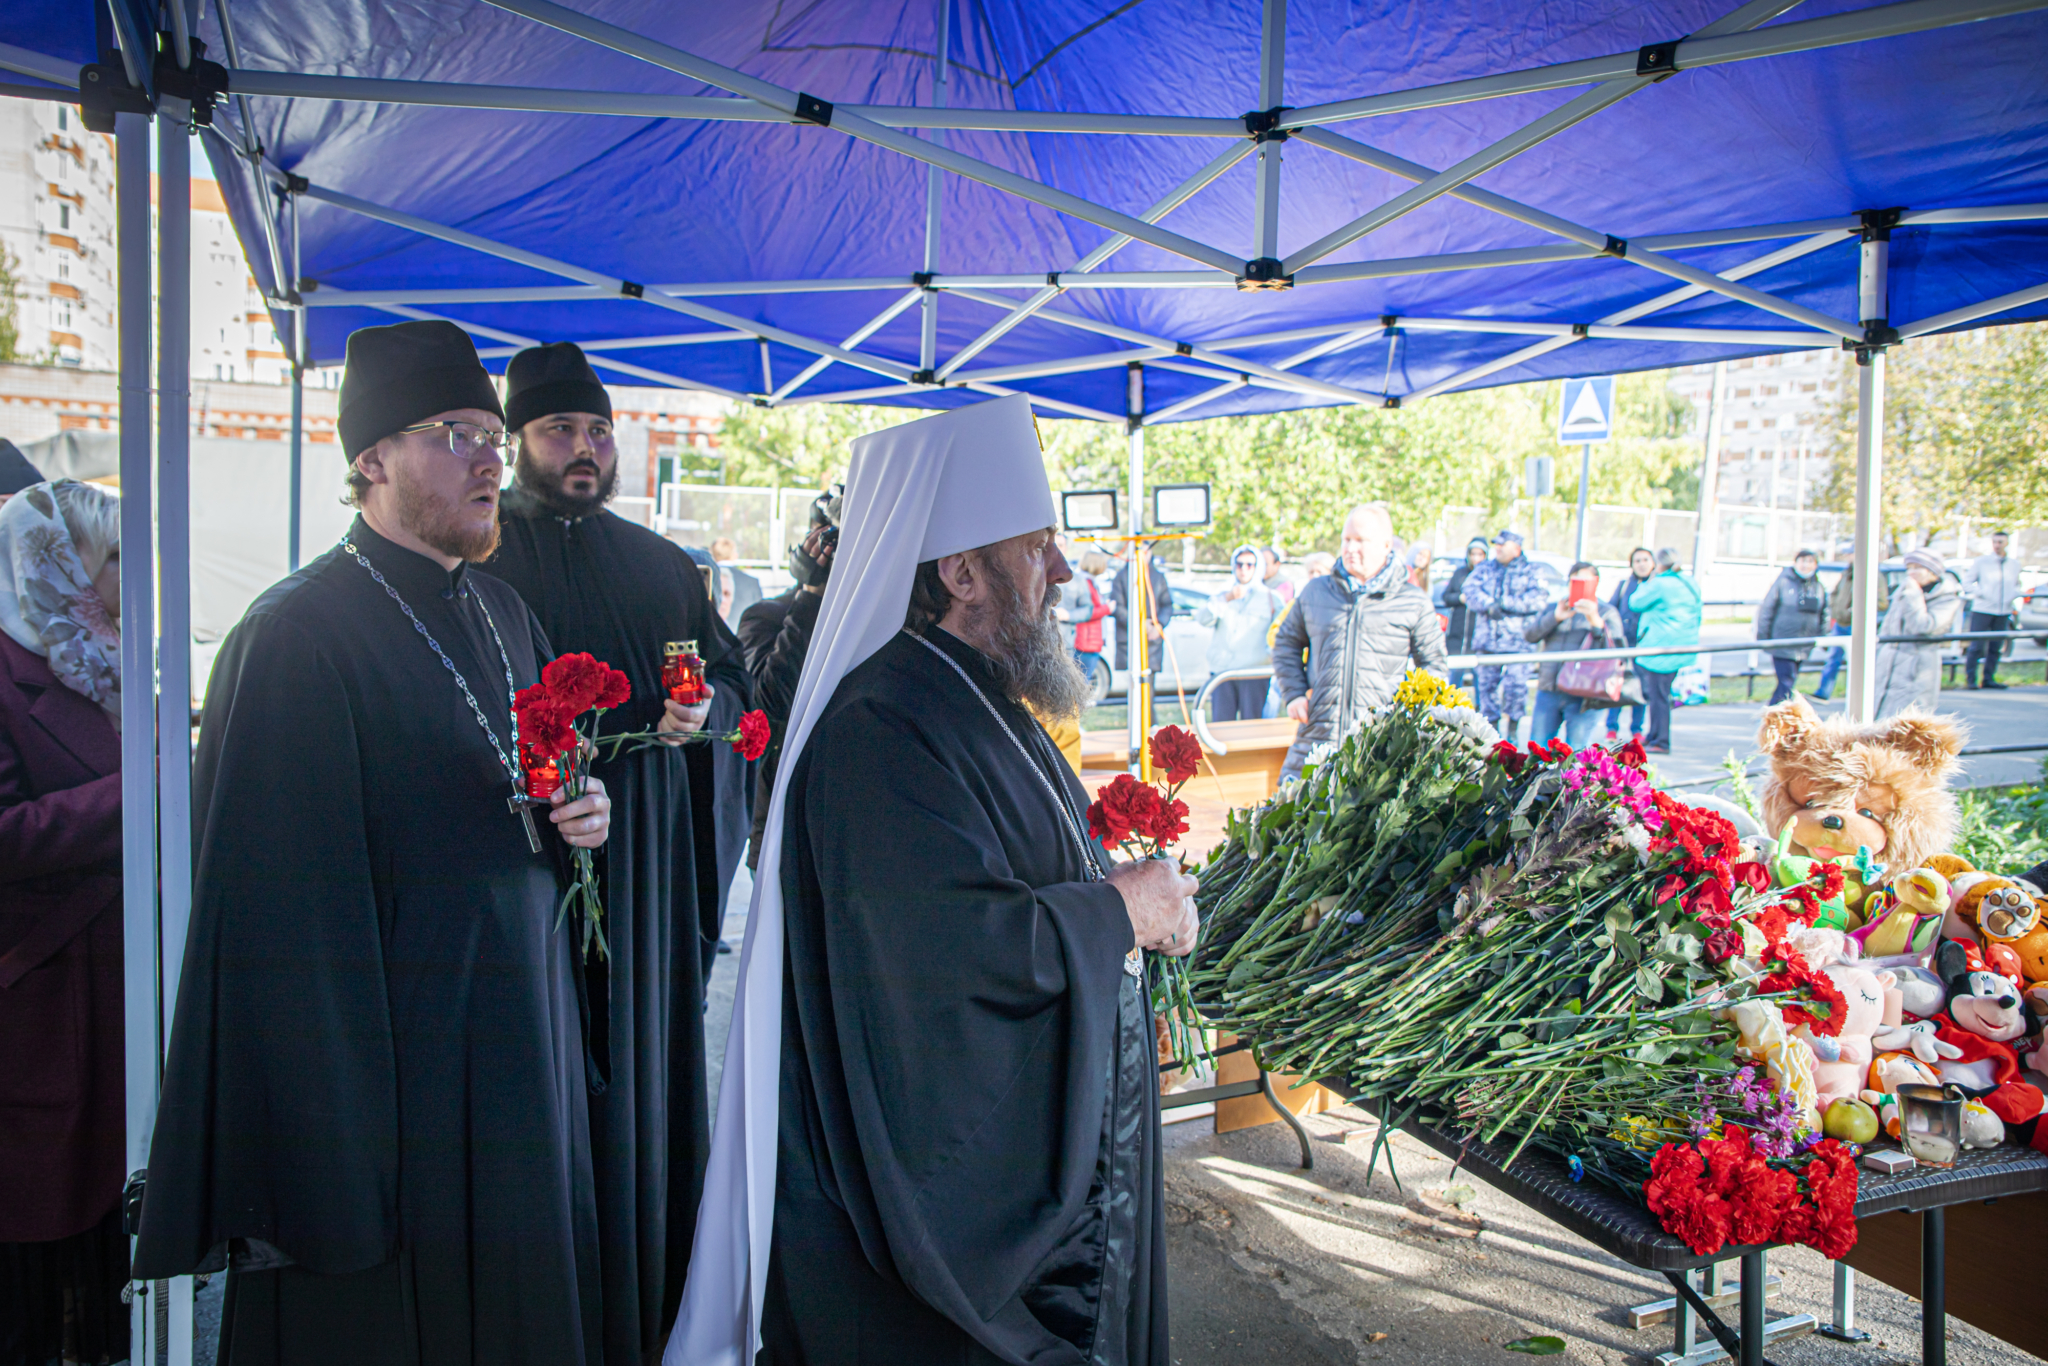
1089 510
1184 505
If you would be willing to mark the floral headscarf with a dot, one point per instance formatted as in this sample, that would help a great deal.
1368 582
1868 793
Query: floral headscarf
47 602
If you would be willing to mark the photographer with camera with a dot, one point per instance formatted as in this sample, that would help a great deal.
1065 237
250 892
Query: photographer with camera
775 634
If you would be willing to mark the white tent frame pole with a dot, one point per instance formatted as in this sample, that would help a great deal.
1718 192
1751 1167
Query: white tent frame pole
637 343
1873 287
853 340
1174 410
1806 35
1706 522
1180 195
713 108
143 1051
866 130
1302 383
1626 315
1955 317
1137 580
57 71
934 182
1066 365
249 149
618 286
1272 91
174 597
520 343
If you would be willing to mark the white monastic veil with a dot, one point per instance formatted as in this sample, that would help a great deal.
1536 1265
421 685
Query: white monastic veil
918 492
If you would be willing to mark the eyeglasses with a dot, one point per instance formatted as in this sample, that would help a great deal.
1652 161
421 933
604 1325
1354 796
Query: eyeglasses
466 440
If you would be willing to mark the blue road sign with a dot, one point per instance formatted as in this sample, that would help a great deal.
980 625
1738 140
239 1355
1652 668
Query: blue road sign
1587 413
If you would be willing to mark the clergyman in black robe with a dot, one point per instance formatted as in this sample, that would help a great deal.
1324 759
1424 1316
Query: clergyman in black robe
969 1164
604 585
373 1108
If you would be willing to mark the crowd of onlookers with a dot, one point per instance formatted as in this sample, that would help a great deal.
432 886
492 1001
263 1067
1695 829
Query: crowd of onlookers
1337 632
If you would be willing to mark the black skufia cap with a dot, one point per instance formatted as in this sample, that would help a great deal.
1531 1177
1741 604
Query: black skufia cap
16 473
405 373
552 379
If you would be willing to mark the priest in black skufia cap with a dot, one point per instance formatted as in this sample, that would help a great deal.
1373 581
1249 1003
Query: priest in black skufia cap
374 1107
600 583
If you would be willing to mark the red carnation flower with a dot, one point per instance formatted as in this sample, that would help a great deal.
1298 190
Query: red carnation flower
1687 1209
1560 750
1754 876
1177 752
617 689
1509 757
543 723
1538 752
1723 945
753 737
576 680
1632 754
1710 906
1125 806
1169 821
1757 1205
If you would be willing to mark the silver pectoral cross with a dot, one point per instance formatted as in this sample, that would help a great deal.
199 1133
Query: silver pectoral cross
523 805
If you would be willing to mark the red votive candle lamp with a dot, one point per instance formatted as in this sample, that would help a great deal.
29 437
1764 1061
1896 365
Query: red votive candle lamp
682 672
542 777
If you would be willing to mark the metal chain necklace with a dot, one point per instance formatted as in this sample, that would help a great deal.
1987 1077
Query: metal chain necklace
461 683
1059 800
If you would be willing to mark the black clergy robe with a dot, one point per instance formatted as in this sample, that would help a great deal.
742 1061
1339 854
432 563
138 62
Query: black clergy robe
374 1103
968 1164
619 591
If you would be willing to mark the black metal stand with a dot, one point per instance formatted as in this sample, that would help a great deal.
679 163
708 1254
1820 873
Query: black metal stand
1261 1086
1933 1288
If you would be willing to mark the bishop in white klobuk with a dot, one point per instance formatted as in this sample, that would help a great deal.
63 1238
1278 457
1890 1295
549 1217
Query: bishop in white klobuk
941 1141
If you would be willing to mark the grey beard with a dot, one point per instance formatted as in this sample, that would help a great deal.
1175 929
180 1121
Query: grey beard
545 487
1033 664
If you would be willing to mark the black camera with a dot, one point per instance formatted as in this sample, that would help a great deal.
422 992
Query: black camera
825 510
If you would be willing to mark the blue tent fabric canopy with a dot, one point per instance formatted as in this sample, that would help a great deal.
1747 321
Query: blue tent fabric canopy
1951 116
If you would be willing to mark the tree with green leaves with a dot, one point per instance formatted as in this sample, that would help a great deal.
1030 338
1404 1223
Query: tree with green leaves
10 306
1966 432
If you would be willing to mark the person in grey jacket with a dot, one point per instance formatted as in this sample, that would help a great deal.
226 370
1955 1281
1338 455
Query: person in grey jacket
1360 629
1589 624
1991 584
1504 595
1795 606
1238 619
1924 604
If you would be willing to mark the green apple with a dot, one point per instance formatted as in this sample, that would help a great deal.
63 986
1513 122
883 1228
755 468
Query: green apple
1850 1120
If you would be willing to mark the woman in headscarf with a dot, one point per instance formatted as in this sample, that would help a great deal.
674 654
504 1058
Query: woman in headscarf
63 1255
1924 604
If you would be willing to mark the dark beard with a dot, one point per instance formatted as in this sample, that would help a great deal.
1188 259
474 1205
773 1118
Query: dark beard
435 522
1033 663
543 488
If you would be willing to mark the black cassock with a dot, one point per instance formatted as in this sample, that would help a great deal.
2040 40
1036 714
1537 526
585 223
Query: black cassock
619 591
969 1135
377 1070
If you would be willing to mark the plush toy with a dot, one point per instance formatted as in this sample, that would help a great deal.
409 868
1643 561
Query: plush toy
1841 1063
1985 1017
1848 786
1790 870
1921 994
1911 925
1786 1059
1997 909
1982 1128
1888 1072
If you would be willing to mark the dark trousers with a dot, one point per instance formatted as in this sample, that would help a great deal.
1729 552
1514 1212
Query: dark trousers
1788 679
1986 650
1238 699
1657 694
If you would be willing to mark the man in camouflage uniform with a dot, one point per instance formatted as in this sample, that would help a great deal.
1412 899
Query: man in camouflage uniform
1503 595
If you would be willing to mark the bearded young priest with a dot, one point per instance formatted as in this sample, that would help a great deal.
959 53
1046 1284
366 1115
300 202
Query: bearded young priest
600 583
374 1107
938 1124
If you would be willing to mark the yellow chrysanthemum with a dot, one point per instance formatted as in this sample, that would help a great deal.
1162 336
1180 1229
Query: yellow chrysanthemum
1646 1134
1420 690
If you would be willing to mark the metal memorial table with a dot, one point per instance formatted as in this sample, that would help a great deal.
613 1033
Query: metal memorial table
1617 1224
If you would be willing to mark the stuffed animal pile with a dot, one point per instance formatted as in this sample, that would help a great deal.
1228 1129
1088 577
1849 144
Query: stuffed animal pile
1943 967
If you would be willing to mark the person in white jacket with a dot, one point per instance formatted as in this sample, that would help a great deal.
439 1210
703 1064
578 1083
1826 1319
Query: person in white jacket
1240 619
1924 604
1990 584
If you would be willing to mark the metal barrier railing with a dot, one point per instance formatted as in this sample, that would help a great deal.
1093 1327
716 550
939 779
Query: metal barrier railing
1198 718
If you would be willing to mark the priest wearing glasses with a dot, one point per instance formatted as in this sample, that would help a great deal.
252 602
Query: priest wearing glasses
374 1108
938 1122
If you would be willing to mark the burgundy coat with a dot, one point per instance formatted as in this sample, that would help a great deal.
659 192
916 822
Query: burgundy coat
63 1105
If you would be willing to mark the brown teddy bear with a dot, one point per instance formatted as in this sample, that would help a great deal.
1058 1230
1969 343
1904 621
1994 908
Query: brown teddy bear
1880 785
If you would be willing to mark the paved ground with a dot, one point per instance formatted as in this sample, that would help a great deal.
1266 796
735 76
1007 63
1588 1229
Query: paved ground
1272 1264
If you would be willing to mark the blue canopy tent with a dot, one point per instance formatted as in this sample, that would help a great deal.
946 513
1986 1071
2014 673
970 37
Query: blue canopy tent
1138 211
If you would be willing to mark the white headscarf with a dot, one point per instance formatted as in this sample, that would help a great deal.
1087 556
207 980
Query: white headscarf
47 601
918 492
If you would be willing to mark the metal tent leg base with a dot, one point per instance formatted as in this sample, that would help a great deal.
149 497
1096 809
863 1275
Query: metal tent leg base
1746 1346
1842 1328
1308 1155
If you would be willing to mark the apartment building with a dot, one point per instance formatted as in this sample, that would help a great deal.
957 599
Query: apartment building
1772 420
57 226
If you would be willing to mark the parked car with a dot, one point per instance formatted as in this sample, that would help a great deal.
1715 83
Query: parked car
2034 612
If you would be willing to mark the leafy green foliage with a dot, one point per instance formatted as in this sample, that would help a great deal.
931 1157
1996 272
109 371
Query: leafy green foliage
10 306
2004 829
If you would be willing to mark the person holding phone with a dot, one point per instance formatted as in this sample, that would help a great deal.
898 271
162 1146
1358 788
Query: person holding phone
1580 622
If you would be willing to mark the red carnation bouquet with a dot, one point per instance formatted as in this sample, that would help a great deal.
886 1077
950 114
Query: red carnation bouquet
555 749
1145 820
